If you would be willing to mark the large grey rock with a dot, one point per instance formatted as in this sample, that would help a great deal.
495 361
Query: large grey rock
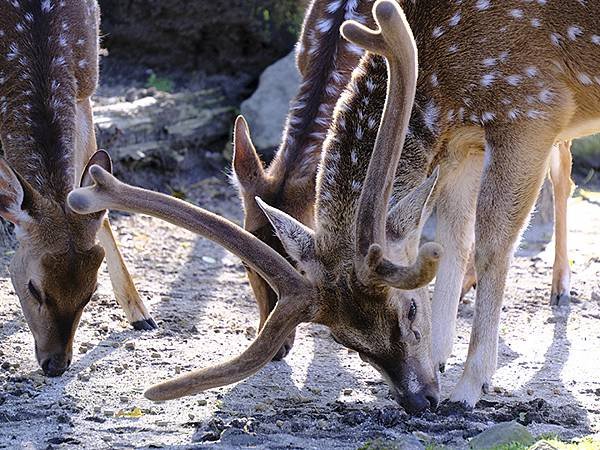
267 109
502 434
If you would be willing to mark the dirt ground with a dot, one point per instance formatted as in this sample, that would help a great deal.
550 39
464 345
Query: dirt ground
322 396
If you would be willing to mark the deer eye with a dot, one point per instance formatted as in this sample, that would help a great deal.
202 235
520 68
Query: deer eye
412 312
35 293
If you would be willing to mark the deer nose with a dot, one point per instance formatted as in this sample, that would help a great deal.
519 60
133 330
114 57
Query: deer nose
419 402
55 366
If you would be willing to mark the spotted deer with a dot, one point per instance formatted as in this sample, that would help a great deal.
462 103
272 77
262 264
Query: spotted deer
364 282
325 62
48 73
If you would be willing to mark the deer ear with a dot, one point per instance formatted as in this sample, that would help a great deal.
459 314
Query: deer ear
247 167
100 158
297 239
411 212
16 195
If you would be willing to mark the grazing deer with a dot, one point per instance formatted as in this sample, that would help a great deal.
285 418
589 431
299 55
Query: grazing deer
325 62
353 275
48 73
560 176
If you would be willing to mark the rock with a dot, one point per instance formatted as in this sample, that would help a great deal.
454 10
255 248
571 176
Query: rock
267 109
160 131
218 36
502 434
402 443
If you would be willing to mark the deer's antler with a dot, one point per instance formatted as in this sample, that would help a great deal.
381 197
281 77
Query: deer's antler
394 41
295 293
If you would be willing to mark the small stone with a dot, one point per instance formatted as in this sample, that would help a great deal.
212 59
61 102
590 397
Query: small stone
202 402
83 377
209 259
529 391
502 434
155 355
279 423
348 391
130 345
119 369
108 413
322 424
177 369
124 399
556 391
83 349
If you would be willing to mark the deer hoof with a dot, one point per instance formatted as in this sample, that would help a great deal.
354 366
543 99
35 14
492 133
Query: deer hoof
145 324
563 299
283 352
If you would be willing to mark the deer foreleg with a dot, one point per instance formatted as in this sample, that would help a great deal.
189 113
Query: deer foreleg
513 174
560 175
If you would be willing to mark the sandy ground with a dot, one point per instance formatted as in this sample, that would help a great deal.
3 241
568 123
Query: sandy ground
321 396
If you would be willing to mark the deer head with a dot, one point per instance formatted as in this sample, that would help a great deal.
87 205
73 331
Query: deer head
348 276
54 275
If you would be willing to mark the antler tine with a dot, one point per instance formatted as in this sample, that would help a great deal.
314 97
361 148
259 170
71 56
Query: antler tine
395 41
283 319
110 193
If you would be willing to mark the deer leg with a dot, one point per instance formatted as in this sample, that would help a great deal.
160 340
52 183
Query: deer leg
455 231
560 175
513 174
470 279
125 291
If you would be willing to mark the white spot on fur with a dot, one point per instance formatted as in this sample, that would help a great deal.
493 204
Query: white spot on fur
584 78
482 5
531 71
488 79
513 80
47 6
431 115
573 32
454 20
516 13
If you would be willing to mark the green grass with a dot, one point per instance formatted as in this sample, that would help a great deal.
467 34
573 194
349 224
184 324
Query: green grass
160 83
587 443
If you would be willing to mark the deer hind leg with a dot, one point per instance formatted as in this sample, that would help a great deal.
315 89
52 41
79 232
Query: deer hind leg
125 291
455 231
470 279
560 175
513 174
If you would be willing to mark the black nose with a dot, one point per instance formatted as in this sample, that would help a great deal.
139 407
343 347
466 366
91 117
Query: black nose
418 402
55 366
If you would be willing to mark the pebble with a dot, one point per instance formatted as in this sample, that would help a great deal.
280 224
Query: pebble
279 423
108 413
348 391
130 345
119 369
202 402
83 377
